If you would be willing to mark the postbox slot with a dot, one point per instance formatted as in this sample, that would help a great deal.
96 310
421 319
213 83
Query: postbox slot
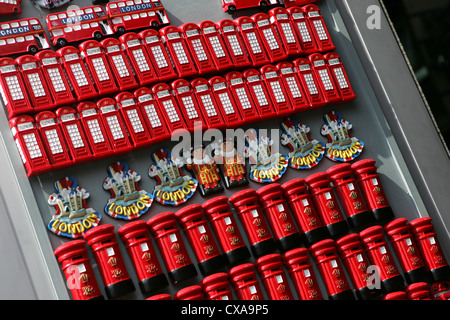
77 258
106 241
248 280
140 237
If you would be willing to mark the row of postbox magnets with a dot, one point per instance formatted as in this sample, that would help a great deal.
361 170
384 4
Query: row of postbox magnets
353 253
134 120
49 79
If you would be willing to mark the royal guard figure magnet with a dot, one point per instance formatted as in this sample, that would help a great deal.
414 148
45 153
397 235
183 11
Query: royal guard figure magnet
127 200
305 153
265 164
231 163
173 187
341 146
205 170
73 217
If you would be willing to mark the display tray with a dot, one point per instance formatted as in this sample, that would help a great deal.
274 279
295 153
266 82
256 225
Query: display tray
25 198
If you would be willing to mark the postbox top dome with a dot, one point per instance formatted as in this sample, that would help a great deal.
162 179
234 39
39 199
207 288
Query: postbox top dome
398 295
293 185
74 246
418 290
363 164
397 225
102 230
241 269
189 292
220 203
326 245
371 233
268 260
342 168
133 227
162 296
162 220
297 253
419 222
348 241
193 210
214 278
243 197
269 190
315 178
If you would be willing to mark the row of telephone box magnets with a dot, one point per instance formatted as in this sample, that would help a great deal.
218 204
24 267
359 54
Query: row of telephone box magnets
135 60
414 243
134 120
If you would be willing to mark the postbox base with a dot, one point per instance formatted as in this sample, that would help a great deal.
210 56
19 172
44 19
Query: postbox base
290 242
338 229
368 294
119 288
383 215
396 283
182 273
316 235
418 275
344 295
442 273
237 255
361 220
264 247
154 283
212 264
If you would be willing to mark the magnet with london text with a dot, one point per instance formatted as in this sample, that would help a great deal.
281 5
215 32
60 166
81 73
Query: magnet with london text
205 170
127 200
173 187
73 217
266 164
341 146
305 152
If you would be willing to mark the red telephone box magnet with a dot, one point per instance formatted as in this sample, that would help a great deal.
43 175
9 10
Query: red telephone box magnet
127 200
259 92
225 102
278 92
280 18
340 76
208 104
73 217
293 86
341 146
216 46
309 82
252 41
233 41
75 137
12 86
324 78
303 30
205 170
173 187
318 27
53 139
29 144
34 80
304 152
266 165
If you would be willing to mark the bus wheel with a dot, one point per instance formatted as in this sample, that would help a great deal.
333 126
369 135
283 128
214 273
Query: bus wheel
155 24
263 4
33 49
98 36
61 42
16 11
120 30
231 9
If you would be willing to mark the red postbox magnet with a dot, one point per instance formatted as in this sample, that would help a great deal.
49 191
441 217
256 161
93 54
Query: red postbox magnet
127 200
266 165
173 187
341 146
73 217
304 152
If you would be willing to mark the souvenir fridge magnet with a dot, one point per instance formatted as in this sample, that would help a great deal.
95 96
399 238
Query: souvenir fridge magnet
173 187
341 146
127 200
204 169
305 152
265 165
231 163
73 217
